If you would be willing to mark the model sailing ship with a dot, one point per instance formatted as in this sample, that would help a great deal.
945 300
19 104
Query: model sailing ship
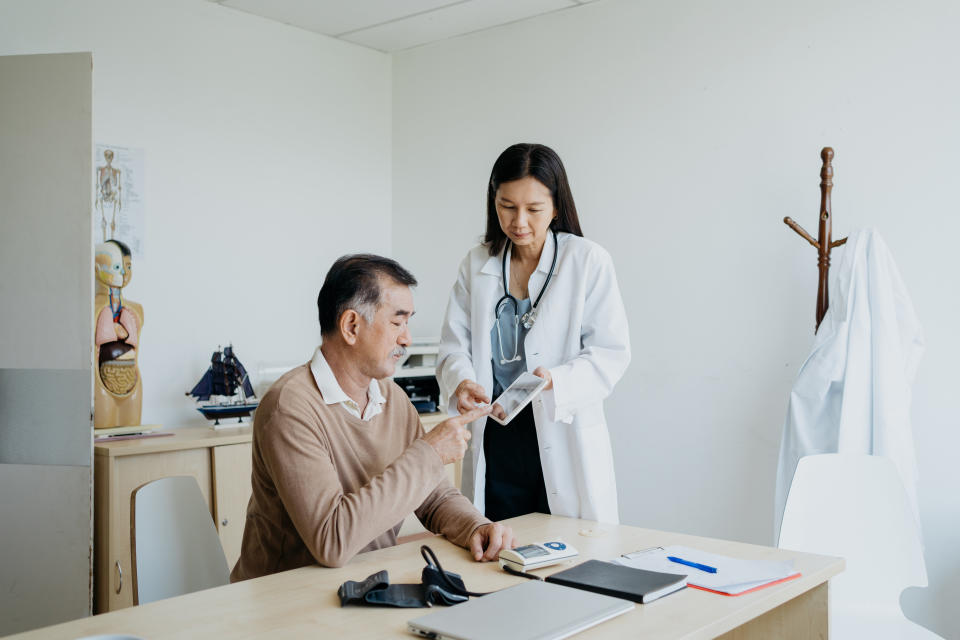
224 391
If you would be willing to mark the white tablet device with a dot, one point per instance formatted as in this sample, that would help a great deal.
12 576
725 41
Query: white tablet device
515 397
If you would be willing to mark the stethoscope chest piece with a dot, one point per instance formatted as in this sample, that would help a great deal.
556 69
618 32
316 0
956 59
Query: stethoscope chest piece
528 319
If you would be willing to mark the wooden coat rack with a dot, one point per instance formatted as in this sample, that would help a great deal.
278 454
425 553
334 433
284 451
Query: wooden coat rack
823 243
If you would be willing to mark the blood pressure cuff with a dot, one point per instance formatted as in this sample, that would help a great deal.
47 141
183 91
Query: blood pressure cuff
376 590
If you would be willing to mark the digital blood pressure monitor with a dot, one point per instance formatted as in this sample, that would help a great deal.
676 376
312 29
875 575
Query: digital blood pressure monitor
536 555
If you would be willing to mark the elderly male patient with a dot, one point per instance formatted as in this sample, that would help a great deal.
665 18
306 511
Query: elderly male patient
339 454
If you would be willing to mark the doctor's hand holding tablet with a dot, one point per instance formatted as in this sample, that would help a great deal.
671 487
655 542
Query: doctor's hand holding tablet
509 403
535 310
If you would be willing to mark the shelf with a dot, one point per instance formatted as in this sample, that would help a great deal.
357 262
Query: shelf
415 372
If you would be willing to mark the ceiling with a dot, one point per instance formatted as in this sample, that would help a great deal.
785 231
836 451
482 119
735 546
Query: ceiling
395 25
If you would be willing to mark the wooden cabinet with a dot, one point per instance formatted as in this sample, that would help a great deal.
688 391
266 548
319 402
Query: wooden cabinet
231 466
219 460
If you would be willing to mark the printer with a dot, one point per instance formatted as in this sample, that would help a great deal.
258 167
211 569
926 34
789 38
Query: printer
415 374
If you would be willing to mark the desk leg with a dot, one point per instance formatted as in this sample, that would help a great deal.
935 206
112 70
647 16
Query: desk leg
803 617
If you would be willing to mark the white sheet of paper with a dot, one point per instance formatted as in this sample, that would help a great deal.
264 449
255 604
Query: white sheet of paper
733 575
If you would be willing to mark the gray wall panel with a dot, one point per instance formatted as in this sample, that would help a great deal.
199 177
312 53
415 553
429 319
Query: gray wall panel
46 151
46 338
58 555
45 417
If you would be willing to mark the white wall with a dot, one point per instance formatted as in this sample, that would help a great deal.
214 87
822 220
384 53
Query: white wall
265 147
689 129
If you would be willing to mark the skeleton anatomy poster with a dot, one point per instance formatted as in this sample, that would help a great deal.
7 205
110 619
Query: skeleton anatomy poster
118 196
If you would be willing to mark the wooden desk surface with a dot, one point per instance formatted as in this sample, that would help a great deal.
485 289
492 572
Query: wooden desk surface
182 438
303 603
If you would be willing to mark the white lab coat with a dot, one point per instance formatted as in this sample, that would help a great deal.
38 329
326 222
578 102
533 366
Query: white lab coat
852 394
580 335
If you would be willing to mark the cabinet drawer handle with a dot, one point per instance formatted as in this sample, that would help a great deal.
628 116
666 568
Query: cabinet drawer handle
119 573
224 522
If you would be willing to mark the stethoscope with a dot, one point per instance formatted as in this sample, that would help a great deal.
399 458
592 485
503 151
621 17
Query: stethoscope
530 317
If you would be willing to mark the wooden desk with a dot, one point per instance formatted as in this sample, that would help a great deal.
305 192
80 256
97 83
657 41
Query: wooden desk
303 603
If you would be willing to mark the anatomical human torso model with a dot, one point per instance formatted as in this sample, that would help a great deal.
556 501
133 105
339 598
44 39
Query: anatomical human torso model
118 392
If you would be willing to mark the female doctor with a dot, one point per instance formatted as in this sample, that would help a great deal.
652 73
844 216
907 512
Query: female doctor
536 296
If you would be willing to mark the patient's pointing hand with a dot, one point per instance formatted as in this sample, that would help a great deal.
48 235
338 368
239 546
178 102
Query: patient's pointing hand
449 438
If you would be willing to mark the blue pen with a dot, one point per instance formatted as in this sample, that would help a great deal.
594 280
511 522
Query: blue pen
695 565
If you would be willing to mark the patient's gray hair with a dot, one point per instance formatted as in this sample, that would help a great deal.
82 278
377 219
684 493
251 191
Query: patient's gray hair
353 282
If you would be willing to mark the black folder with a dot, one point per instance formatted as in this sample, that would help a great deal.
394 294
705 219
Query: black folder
638 585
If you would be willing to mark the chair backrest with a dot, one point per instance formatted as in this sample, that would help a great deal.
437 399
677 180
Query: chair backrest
854 505
176 548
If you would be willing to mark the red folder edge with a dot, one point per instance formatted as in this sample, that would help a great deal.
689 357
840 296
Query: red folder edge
762 586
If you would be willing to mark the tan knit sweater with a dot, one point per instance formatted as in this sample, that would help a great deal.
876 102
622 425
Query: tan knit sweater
328 485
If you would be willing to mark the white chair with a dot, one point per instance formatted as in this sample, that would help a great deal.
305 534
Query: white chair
854 506
176 548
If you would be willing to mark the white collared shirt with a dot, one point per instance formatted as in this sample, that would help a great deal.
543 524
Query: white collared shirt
333 393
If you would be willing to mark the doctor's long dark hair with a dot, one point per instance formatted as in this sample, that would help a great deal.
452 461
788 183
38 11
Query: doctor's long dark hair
535 161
